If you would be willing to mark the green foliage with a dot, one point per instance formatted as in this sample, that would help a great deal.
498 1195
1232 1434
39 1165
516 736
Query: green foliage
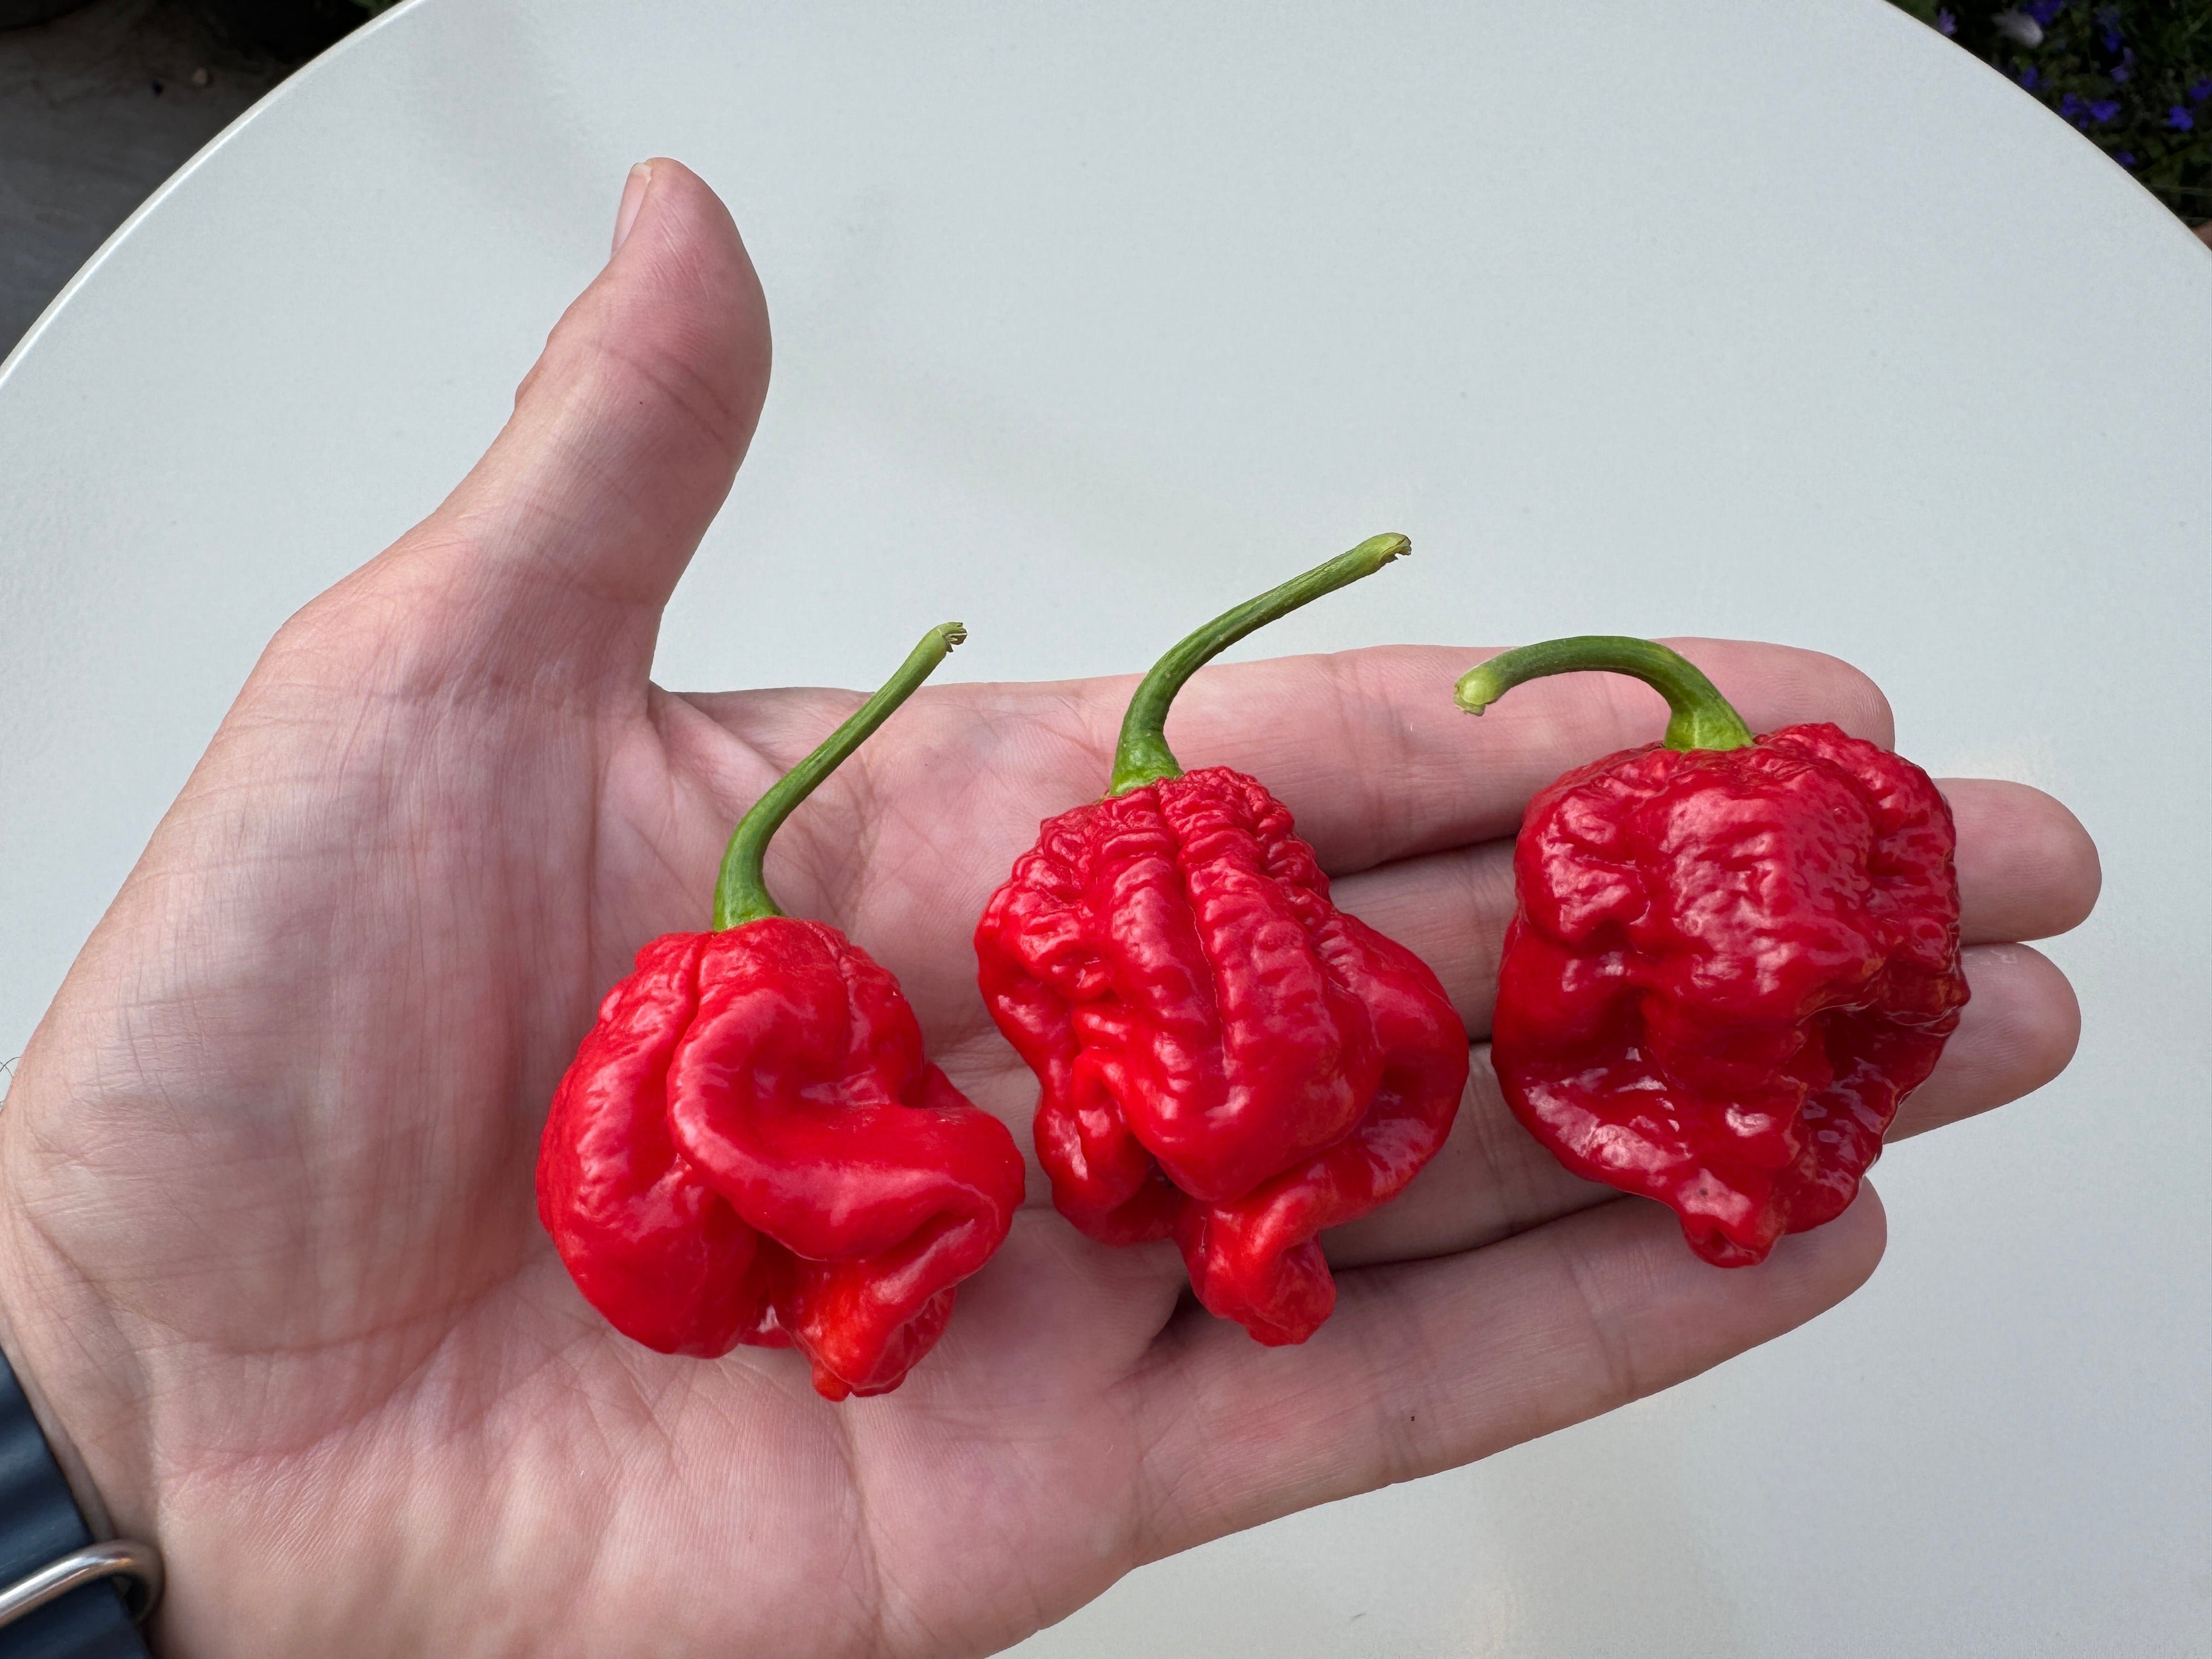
2135 76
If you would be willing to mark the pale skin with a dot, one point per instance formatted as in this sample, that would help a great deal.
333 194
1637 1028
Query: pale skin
270 1262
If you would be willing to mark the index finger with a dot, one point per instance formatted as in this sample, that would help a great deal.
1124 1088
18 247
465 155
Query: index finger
1376 762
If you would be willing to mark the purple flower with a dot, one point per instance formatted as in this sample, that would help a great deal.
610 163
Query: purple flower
2080 111
2126 158
1945 22
2028 77
2200 92
2180 119
2044 10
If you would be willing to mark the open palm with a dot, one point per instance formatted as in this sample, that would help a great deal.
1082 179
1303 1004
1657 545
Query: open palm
272 1262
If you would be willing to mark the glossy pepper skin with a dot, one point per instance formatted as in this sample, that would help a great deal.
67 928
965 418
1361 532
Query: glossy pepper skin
1224 1057
1731 959
751 1147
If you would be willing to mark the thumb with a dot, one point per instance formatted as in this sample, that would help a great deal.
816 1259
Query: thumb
562 544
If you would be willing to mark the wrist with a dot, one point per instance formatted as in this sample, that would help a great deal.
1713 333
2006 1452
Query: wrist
67 1586
64 1346
83 1490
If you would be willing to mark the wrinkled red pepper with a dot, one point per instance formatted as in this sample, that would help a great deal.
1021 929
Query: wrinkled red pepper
750 1146
1225 1056
1732 956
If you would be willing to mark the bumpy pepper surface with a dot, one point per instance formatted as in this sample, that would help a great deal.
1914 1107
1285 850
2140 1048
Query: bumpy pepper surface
1731 960
1225 1057
750 1146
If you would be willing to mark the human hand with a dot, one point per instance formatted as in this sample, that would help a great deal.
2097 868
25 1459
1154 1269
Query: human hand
272 1258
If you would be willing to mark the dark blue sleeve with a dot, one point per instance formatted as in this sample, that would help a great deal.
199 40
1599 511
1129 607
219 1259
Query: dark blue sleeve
39 1523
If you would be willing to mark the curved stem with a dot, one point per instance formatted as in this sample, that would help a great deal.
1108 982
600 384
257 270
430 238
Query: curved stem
1143 757
1702 717
740 894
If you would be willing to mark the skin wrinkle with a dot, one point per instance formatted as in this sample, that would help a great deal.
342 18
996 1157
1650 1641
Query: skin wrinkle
211 1465
1349 680
1480 897
1513 1165
1087 736
1623 1381
1402 1360
687 732
863 813
1402 1455
846 895
597 368
415 1390
717 761
459 673
673 374
1512 1183
603 757
295 1127
90 1317
868 1603
497 554
916 1632
1156 1492
336 1465
534 546
1094 711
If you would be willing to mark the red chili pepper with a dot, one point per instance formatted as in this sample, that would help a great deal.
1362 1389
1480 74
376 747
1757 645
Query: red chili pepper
751 1146
1225 1056
1732 957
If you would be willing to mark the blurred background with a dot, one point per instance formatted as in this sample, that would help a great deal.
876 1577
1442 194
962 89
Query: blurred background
102 100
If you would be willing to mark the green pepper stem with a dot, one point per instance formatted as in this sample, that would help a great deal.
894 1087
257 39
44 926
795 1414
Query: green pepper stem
1143 757
740 893
1702 717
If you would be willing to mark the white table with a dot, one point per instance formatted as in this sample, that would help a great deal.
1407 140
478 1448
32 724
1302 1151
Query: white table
1788 321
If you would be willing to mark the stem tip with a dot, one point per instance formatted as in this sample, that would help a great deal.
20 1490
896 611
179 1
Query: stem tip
1143 757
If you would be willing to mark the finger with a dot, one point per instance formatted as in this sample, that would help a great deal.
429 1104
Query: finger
1376 760
1492 1178
2019 1032
2027 870
1427 1365
1489 1180
2026 867
628 432
1367 748
561 546
1447 908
